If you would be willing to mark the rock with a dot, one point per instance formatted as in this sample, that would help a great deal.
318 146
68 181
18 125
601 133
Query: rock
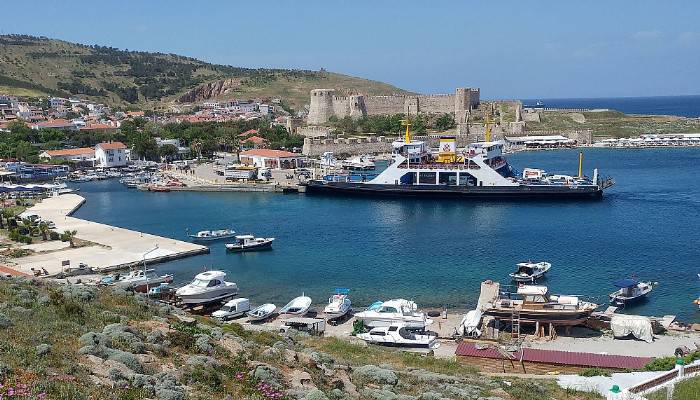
300 380
155 337
94 338
216 333
125 358
342 382
126 336
4 321
232 345
315 394
202 361
375 374
43 349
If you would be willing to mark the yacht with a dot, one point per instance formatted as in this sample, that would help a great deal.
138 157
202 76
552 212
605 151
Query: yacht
532 304
530 271
479 172
207 287
249 243
392 312
208 236
399 335
338 304
630 290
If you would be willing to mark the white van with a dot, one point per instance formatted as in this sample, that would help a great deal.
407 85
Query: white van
232 309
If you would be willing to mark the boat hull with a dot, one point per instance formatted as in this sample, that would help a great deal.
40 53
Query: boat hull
196 238
523 192
561 318
255 247
206 298
377 322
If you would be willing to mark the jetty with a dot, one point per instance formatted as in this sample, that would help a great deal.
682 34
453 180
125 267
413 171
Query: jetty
109 248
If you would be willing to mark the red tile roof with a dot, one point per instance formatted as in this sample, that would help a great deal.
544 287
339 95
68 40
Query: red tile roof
249 132
270 153
55 123
97 127
111 146
71 152
468 349
255 140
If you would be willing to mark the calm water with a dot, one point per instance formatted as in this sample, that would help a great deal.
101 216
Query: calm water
686 106
437 252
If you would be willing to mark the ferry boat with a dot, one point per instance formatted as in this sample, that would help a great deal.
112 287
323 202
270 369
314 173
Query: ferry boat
480 172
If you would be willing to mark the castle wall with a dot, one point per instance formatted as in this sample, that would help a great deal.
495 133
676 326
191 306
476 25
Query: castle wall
436 103
384 105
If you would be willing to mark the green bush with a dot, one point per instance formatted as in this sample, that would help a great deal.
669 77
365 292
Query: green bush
53 235
595 372
668 363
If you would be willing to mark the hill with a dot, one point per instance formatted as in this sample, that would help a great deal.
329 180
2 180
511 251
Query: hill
37 66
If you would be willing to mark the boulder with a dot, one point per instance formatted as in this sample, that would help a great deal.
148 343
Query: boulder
43 349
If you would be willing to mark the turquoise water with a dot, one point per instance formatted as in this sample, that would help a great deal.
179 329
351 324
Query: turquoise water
438 252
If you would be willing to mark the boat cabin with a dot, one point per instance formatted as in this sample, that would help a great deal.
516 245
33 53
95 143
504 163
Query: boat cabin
209 279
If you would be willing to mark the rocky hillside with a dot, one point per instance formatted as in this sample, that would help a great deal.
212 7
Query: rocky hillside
32 67
78 342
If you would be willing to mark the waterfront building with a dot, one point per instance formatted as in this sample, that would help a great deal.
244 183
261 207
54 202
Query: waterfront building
276 159
111 154
79 154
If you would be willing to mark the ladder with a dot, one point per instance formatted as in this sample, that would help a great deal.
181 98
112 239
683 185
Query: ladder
515 322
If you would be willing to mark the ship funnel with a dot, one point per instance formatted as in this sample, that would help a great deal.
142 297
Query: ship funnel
447 150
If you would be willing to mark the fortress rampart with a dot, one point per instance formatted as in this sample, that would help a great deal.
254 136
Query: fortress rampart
325 103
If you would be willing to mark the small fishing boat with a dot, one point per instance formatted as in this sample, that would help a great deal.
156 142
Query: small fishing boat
141 281
630 290
393 312
298 306
399 335
530 271
207 287
339 304
249 243
262 312
207 236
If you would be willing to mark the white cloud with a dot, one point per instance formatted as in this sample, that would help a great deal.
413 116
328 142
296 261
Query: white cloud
648 35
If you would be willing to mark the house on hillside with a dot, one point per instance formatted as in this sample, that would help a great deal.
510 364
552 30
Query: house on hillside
253 142
81 154
275 159
111 154
61 124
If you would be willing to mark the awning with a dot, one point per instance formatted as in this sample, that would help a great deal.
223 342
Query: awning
625 283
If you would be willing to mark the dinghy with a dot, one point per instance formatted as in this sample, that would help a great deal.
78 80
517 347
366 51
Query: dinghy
298 306
262 312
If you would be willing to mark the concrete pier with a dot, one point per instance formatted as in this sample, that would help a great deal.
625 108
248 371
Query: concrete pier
113 248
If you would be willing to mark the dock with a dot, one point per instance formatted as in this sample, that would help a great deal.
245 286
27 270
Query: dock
110 248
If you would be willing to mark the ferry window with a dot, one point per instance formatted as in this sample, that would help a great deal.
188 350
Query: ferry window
466 179
448 178
427 178
409 178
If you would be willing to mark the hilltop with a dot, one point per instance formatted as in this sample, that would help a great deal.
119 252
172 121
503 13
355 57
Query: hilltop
37 66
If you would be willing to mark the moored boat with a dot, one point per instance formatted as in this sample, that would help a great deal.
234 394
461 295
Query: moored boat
262 312
399 335
298 306
207 236
530 271
392 312
338 304
630 290
249 243
207 287
141 281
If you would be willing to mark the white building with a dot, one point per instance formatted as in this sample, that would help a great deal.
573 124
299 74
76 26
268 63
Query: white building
79 154
57 102
275 159
112 154
266 109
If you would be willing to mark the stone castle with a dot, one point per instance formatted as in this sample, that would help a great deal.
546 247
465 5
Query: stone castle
325 103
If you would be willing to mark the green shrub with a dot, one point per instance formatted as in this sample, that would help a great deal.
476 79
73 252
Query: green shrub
53 235
595 372
668 363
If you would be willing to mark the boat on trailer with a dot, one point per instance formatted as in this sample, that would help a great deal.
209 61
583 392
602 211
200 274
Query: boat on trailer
262 312
629 291
338 304
298 306
479 172
530 271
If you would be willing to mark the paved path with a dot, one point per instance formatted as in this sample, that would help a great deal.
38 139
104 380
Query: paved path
115 247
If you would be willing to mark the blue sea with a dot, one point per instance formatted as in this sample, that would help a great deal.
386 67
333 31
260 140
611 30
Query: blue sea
685 106
438 251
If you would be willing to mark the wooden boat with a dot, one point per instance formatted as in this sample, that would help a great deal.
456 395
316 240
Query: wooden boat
530 271
630 290
249 243
262 312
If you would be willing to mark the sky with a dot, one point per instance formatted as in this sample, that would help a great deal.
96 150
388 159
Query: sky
510 49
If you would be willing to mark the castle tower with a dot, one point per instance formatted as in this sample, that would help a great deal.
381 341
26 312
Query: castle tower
462 105
356 106
321 106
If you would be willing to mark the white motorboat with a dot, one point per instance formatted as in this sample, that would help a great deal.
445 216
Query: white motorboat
249 243
207 287
469 326
298 306
392 312
207 236
358 163
338 305
262 312
232 309
141 280
630 290
399 335
530 271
